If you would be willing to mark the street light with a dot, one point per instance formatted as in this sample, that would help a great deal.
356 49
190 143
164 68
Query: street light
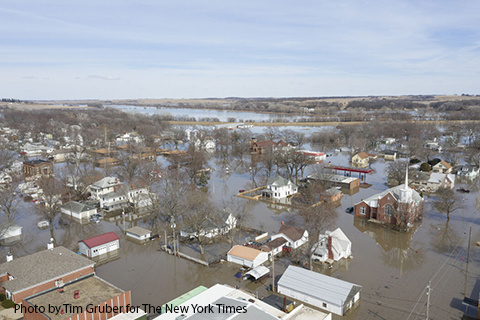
173 225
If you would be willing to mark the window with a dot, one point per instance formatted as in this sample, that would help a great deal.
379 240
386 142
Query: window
388 210
363 210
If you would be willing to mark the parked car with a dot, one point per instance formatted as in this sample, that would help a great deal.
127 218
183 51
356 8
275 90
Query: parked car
241 190
463 190
349 210
155 236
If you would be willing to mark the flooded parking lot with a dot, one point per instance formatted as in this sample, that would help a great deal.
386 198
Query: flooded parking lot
393 268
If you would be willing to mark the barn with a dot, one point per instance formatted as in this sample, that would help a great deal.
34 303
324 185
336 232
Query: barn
99 245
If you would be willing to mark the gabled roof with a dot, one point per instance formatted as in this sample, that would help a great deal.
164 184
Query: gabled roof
395 192
339 239
273 244
100 239
293 233
363 155
445 164
278 181
106 182
75 206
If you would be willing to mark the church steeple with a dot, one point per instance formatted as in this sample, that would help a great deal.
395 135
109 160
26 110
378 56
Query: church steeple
406 178
406 192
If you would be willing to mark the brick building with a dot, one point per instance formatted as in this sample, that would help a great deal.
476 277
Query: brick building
35 169
399 206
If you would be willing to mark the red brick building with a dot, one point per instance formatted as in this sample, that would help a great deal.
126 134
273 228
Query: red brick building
262 146
35 169
399 206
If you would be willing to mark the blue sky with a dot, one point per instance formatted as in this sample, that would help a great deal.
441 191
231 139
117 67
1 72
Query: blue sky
193 49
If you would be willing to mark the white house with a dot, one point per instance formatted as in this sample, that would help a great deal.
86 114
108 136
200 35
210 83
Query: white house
443 180
99 245
442 167
213 227
246 256
332 246
104 186
279 187
296 236
138 233
78 210
11 231
324 292
470 172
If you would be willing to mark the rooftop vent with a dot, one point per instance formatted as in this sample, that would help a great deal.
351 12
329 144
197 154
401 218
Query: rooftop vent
76 294
9 257
50 244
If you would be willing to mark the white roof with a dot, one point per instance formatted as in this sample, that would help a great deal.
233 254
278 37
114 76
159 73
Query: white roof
339 239
258 272
313 284
106 182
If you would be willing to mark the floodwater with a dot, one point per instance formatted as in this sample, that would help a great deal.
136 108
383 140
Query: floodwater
223 116
393 268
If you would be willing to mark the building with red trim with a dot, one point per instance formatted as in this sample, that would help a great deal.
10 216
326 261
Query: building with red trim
98 245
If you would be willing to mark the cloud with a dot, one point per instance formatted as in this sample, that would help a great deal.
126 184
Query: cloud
103 77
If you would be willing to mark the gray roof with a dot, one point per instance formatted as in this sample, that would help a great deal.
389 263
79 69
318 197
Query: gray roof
278 181
395 191
314 284
138 231
106 182
75 206
42 266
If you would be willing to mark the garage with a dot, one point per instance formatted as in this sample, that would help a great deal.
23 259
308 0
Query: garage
246 256
99 245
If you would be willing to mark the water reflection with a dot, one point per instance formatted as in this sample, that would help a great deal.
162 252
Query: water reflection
444 238
397 249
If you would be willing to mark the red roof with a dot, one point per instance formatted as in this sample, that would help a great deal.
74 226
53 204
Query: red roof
100 239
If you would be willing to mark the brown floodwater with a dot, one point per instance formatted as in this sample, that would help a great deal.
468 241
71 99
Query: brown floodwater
393 268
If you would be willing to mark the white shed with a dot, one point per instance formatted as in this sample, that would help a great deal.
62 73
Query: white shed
246 256
99 245
78 210
328 293
138 233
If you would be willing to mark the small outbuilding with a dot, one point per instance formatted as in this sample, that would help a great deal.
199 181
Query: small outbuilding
246 256
138 233
78 210
324 292
99 245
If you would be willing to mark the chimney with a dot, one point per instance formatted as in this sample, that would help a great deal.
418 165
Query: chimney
284 304
50 244
9 257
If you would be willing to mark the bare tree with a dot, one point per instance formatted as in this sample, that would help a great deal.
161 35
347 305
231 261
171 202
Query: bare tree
396 172
447 201
242 210
52 194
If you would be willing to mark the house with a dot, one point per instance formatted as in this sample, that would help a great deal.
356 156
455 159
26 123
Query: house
78 210
269 145
279 187
40 271
9 232
361 159
123 195
442 167
85 298
470 172
275 245
332 246
438 180
388 140
224 299
36 169
432 144
246 256
103 186
138 233
98 245
210 228
35 149
399 205
324 292
296 236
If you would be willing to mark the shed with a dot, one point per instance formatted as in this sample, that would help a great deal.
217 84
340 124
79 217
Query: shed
99 245
246 256
257 273
78 210
138 233
328 293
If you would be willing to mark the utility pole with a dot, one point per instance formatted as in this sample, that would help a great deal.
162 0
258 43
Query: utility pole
428 298
468 256
273 273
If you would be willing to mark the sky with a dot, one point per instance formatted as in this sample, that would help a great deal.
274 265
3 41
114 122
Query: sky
197 49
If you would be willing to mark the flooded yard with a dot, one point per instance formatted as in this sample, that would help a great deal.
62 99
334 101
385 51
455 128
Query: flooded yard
393 268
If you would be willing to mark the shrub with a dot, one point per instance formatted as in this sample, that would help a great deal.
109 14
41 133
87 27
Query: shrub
2 297
7 304
412 161
425 167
